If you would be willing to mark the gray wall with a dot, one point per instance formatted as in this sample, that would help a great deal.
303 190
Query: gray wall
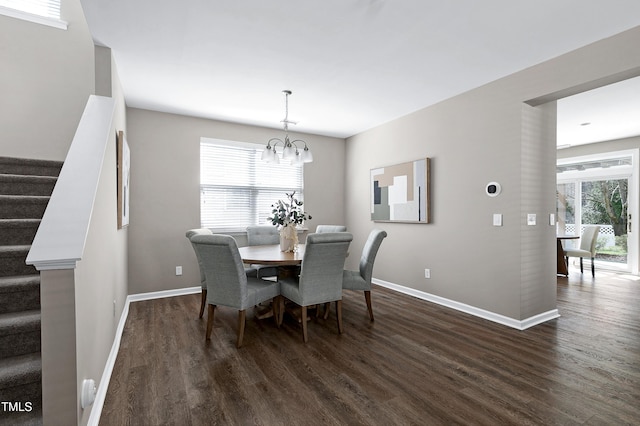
46 76
487 134
165 196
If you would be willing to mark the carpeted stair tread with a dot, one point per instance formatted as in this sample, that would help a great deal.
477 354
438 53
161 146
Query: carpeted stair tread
19 293
19 322
18 223
24 166
18 370
15 283
26 184
19 333
32 418
35 199
9 250
22 206
18 231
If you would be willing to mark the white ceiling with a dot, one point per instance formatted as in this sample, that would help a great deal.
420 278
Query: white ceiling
351 64
610 112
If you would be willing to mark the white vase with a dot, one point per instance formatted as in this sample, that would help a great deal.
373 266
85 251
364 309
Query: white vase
288 238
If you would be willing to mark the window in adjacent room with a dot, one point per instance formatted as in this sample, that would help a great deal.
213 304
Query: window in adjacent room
237 188
46 12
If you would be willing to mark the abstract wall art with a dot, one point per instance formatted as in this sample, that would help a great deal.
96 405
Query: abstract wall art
400 193
123 160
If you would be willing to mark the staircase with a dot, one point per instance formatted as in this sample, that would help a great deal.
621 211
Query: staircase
25 188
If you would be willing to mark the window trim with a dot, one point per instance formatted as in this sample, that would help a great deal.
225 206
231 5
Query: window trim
30 17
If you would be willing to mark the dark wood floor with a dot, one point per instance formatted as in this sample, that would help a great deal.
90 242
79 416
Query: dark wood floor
418 363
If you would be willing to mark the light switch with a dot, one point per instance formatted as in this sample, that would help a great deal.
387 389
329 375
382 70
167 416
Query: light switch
552 219
497 219
531 219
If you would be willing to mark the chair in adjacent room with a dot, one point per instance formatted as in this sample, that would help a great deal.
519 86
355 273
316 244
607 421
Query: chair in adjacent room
361 279
203 282
330 228
260 236
587 248
227 282
320 279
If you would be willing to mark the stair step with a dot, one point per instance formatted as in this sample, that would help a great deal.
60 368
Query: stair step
22 206
26 184
19 293
21 381
19 333
18 231
24 418
26 166
13 261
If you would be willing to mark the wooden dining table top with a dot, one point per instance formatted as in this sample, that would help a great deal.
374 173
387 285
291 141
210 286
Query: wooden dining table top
567 237
271 255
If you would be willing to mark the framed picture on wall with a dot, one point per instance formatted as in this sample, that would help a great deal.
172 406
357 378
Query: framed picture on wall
400 193
124 167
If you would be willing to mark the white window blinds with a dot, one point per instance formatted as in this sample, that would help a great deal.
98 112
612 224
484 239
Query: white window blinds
45 8
237 188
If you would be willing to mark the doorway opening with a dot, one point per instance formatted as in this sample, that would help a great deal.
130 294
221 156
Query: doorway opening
601 189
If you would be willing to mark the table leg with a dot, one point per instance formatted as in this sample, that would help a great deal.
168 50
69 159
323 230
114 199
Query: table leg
562 264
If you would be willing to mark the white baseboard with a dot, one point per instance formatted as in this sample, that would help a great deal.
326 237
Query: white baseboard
462 307
101 393
161 294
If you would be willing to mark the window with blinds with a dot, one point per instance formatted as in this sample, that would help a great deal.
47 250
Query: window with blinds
237 188
45 12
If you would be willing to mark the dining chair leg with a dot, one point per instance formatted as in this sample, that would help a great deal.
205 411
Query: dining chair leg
593 268
210 321
327 308
275 303
203 302
367 298
241 322
581 271
303 318
339 315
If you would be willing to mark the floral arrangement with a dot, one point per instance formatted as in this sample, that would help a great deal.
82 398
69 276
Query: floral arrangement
288 212
287 215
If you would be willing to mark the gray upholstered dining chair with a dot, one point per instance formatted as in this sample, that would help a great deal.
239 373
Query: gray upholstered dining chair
361 279
203 282
227 282
320 279
587 248
330 228
261 235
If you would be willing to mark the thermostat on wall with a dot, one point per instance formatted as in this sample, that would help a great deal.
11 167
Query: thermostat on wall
493 189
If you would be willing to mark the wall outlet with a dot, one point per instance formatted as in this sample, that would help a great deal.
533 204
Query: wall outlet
178 270
427 273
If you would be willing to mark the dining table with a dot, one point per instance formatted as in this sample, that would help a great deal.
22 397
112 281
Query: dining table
562 263
288 263
271 255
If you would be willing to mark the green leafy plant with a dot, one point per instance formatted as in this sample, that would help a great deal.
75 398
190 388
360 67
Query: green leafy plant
288 212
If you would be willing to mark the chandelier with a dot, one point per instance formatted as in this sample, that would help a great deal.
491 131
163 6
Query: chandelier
289 148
